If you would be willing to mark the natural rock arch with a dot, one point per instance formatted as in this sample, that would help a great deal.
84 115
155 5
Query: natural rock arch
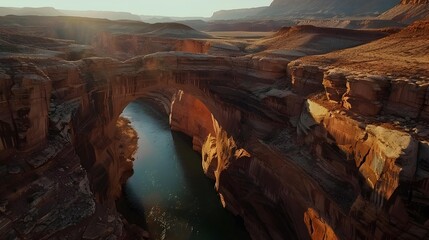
280 182
175 83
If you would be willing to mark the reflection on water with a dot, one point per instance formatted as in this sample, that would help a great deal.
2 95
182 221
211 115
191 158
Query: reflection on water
169 189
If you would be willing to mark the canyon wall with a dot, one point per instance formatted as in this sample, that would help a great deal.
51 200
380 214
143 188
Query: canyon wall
366 168
360 166
300 150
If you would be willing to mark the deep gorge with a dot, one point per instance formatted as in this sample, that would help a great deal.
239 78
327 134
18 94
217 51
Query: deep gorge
305 149
168 185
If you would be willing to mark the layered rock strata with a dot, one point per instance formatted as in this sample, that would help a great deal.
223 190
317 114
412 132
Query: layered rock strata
232 115
376 119
311 149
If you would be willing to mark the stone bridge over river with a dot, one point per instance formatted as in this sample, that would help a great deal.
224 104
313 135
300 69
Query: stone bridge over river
291 165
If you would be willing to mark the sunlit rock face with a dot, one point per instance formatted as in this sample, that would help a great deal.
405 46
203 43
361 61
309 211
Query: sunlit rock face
190 115
370 121
240 178
317 227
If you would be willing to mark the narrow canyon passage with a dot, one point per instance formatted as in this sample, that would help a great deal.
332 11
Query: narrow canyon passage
168 187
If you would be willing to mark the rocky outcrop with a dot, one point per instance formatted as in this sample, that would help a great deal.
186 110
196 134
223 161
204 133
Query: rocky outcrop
385 149
395 90
386 159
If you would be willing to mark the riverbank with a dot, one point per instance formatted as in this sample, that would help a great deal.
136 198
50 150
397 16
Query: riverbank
168 192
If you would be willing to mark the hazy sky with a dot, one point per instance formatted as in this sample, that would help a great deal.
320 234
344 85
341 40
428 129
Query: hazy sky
203 8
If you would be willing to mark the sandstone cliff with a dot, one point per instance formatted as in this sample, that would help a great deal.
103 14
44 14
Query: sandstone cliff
331 146
388 144
253 153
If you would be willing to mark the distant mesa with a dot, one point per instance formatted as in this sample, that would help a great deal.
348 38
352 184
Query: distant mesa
279 9
49 11
175 30
352 14
237 13
43 11
103 14
298 41
311 8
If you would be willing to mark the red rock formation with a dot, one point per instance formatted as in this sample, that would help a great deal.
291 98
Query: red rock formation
318 228
294 156
278 172
385 151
